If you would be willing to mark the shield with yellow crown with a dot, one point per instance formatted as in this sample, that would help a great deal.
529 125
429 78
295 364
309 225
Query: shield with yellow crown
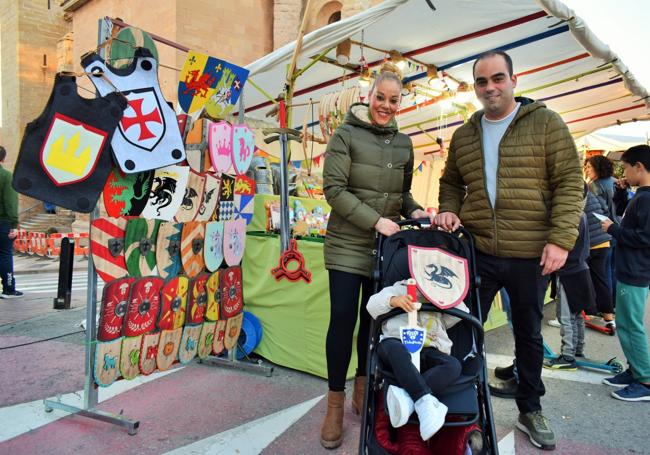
71 150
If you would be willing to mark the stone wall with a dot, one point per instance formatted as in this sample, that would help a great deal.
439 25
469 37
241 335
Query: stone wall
239 32
29 35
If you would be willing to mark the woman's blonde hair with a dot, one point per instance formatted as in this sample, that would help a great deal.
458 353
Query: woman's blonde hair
388 72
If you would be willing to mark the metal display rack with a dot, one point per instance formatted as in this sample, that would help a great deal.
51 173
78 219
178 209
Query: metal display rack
90 397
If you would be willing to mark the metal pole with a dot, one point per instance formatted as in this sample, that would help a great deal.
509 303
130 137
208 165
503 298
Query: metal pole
284 196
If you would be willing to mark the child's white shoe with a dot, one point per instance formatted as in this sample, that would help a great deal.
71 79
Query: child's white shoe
431 414
400 406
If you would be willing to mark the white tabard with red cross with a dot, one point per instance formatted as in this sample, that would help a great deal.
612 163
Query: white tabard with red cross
148 136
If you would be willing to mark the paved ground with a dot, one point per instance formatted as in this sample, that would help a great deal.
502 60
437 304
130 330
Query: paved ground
201 408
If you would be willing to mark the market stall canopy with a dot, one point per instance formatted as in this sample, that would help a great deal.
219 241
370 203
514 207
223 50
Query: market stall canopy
557 60
609 142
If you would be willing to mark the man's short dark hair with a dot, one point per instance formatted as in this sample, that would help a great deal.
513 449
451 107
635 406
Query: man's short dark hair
3 153
637 154
494 53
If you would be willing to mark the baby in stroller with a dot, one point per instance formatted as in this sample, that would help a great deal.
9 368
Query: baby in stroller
438 369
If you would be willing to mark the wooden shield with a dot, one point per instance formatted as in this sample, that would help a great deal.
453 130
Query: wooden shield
173 303
243 199
140 246
232 302
168 345
192 199
189 343
220 146
149 352
107 362
144 306
130 357
233 328
167 192
441 277
234 239
115 301
107 247
219 336
192 241
213 248
198 299
127 194
196 146
183 120
243 145
214 297
231 81
226 198
206 339
122 48
198 81
210 198
168 249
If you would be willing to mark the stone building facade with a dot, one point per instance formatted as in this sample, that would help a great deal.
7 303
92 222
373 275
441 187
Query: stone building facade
40 37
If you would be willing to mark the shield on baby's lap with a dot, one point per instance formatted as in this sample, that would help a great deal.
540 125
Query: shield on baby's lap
441 277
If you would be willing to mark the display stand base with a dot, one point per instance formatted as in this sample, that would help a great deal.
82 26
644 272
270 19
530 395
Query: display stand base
232 362
115 419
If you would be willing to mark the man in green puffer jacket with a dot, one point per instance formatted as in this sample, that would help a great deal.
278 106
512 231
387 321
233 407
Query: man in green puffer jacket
513 179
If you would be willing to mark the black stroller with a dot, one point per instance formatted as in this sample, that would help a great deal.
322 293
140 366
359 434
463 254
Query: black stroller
468 399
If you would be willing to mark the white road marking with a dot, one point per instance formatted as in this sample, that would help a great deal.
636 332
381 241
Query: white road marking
252 437
507 444
21 418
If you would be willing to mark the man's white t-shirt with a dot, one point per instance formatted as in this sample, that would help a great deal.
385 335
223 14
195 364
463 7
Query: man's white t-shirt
493 131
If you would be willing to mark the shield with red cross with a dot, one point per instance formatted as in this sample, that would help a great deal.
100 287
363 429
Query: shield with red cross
143 124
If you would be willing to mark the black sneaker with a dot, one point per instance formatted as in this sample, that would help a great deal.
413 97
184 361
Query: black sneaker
11 295
561 363
505 373
537 427
580 354
504 389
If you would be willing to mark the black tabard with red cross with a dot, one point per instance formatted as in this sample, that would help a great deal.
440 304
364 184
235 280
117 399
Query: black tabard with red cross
64 155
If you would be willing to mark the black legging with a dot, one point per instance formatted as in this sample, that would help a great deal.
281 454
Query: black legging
344 306
439 370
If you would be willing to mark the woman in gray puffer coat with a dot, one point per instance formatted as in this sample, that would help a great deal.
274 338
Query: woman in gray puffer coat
367 182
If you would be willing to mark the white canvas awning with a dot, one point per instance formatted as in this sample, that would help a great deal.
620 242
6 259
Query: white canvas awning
556 57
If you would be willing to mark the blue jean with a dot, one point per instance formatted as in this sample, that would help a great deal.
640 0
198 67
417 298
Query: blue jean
7 259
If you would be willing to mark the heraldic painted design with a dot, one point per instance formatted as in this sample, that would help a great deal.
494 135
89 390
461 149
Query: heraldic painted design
441 277
148 136
208 79
71 150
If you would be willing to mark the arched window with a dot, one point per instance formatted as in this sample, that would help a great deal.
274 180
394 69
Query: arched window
330 12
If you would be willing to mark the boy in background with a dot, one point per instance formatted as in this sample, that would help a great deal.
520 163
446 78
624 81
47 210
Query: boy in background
633 276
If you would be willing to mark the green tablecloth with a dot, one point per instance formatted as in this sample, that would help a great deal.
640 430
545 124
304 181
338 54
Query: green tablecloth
294 315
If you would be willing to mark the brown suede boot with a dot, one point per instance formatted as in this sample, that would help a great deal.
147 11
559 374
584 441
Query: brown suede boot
331 434
358 394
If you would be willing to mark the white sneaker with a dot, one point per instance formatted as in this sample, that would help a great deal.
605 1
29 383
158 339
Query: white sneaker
432 414
400 406
554 323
